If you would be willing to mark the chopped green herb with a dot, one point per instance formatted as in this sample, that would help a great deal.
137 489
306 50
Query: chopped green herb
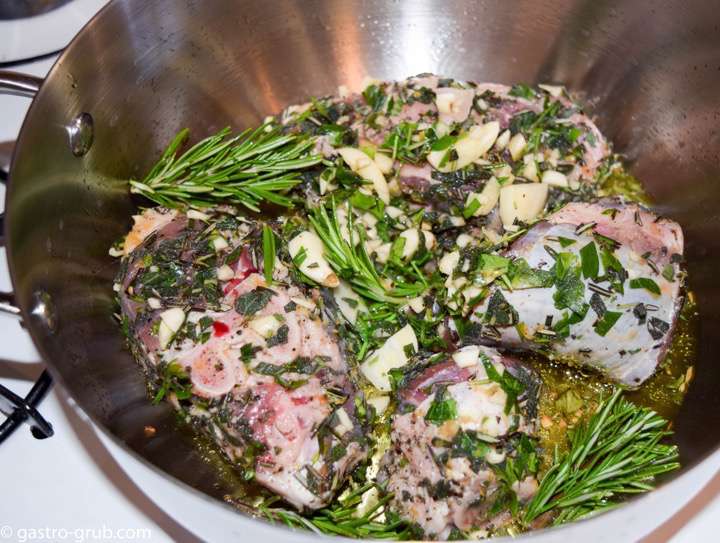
521 275
375 97
443 143
492 266
268 239
606 322
510 385
646 283
442 408
523 91
499 311
251 302
590 261
471 208
668 272
247 352
301 365
174 379
569 287
300 257
657 328
280 337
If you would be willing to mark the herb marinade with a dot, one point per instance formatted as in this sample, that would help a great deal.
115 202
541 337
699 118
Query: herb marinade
320 167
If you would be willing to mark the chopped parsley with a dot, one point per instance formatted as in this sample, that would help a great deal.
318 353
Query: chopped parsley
520 275
569 287
590 261
668 272
442 408
645 283
173 379
605 323
523 91
247 352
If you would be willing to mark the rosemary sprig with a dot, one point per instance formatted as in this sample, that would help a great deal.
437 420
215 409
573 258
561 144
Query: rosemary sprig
350 260
268 239
342 519
617 452
257 165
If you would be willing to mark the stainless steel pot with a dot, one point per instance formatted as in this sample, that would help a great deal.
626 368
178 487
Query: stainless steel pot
140 71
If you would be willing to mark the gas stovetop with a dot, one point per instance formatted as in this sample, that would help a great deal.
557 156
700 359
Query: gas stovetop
71 484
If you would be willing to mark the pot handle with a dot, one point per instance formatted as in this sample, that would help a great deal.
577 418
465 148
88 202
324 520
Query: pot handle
16 84
19 84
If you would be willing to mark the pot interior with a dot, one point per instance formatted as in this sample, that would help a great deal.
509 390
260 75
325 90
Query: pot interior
144 70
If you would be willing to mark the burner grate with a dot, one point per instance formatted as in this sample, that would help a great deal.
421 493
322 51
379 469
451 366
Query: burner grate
23 410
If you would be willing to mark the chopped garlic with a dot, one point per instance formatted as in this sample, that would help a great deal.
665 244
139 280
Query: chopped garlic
557 179
463 240
530 170
266 326
516 146
380 402
154 303
553 90
412 242
417 304
314 265
503 140
344 424
487 199
365 167
382 253
219 243
393 212
449 262
171 320
429 239
494 456
225 273
472 146
384 162
304 302
393 354
522 202
467 356
349 303
197 215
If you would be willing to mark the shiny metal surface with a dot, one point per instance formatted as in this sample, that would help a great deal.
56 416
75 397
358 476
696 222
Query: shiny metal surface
19 84
144 70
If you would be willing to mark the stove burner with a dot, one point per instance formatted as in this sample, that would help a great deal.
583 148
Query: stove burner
21 410
22 9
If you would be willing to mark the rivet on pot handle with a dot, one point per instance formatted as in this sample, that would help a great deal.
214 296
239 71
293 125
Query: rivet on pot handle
17 84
